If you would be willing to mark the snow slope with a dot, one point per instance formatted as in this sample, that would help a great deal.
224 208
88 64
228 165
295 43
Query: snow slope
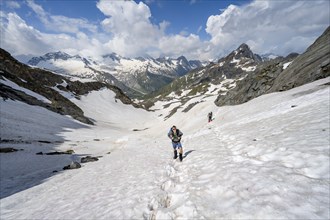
265 159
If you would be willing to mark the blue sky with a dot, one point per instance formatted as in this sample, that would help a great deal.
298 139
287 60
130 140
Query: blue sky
188 16
197 29
184 15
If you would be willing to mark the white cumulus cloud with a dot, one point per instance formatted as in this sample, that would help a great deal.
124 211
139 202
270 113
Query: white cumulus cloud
267 26
278 27
129 25
134 34
21 39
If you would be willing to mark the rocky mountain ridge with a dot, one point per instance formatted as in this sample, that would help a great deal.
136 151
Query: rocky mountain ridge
77 68
219 76
52 87
312 65
135 77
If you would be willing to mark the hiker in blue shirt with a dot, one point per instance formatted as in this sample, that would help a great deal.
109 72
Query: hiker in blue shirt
175 135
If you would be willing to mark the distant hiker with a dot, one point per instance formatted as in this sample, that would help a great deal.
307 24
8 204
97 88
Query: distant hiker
210 116
175 135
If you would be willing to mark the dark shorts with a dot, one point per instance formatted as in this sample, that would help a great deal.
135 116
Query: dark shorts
176 145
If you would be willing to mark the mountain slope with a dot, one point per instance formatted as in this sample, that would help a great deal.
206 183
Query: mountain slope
133 76
313 64
215 78
77 68
23 83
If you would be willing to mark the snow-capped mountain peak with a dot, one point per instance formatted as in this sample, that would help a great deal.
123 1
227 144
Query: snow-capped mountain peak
183 60
241 58
143 74
49 56
113 56
244 51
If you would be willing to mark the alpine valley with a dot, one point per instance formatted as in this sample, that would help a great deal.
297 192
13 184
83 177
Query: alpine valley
86 138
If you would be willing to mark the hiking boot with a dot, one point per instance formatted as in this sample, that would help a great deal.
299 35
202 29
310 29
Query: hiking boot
180 156
175 154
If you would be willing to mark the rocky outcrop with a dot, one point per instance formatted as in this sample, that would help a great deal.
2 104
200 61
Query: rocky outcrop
73 165
254 84
312 65
38 81
7 150
89 159
56 152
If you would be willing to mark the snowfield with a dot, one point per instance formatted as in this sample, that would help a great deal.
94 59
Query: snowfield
265 159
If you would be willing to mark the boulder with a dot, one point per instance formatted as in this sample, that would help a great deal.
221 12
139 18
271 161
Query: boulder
7 150
73 165
88 159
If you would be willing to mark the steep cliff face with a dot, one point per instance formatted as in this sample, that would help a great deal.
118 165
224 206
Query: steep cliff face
312 65
283 74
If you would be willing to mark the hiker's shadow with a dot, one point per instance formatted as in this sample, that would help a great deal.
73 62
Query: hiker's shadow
187 153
